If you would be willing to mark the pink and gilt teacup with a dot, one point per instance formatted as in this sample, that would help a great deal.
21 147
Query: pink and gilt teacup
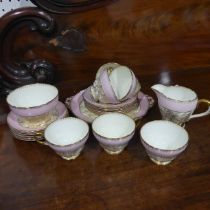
113 131
163 140
67 137
33 100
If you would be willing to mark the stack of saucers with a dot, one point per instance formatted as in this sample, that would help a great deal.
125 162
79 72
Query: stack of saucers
115 89
33 107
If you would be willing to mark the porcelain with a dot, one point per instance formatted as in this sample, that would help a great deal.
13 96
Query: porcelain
31 132
106 67
135 87
77 106
108 94
113 131
114 84
177 103
124 83
163 140
32 100
99 91
98 108
67 137
121 80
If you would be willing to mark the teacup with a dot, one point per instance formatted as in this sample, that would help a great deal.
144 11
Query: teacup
163 140
113 131
114 83
67 137
33 100
177 103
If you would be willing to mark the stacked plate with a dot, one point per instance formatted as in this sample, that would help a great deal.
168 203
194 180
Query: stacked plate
30 116
33 131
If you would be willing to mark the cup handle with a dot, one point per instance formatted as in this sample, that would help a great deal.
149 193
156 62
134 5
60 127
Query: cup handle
146 102
203 113
43 142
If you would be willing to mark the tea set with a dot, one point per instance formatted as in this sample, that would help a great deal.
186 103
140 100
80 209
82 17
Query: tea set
112 105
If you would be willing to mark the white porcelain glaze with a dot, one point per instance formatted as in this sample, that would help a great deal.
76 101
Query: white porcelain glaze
66 131
113 125
163 140
121 80
113 131
176 92
33 100
164 135
67 137
32 95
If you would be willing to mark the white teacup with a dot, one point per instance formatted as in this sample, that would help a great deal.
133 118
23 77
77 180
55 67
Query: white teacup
113 131
33 100
163 140
67 137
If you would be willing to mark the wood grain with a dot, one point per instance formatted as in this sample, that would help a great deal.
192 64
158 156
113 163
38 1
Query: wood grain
162 41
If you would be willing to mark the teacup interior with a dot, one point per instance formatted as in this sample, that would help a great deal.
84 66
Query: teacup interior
32 95
113 125
121 81
66 131
164 135
180 93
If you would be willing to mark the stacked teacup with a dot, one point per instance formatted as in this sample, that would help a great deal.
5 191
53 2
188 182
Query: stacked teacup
33 107
116 89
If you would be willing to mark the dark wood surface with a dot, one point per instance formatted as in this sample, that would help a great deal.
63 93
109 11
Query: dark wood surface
162 41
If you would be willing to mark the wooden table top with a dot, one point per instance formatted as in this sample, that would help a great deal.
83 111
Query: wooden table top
163 43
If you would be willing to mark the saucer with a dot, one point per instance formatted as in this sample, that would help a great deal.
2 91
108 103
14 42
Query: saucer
77 106
96 107
29 134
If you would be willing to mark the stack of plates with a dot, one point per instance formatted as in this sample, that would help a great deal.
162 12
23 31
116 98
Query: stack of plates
28 129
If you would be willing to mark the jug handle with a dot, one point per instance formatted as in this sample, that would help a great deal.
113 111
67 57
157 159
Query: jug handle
207 112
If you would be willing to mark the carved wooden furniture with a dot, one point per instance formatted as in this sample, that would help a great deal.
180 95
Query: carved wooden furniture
70 6
17 73
162 41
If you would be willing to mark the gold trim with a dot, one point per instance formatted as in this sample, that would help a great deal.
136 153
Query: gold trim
98 110
177 101
160 163
204 101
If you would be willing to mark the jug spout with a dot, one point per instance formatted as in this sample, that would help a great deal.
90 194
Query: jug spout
158 88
